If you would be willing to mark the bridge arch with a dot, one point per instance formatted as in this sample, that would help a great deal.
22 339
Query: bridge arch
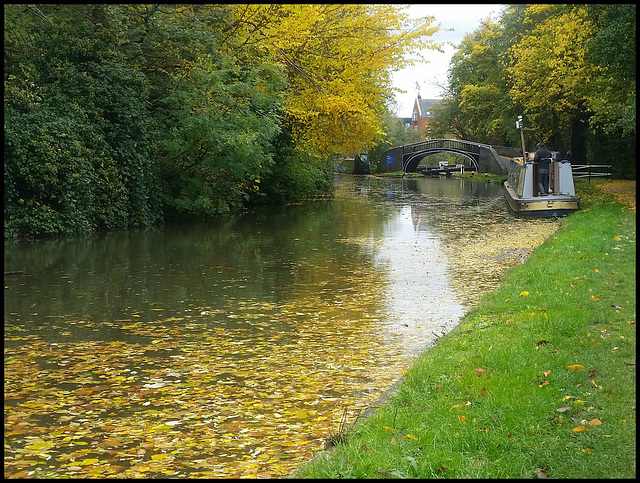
413 160
406 158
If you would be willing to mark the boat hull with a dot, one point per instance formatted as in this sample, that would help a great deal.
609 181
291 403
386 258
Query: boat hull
552 205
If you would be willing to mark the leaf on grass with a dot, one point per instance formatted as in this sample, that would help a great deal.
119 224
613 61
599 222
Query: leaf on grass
575 367
595 422
544 383
480 371
593 298
580 428
462 418
540 472
524 293
562 410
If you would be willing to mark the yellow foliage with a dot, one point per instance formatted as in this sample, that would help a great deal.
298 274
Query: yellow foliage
339 60
549 66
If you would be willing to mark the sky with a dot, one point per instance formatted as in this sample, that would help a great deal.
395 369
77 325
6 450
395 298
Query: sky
463 19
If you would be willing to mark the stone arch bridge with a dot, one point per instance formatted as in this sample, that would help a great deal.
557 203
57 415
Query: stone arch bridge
483 157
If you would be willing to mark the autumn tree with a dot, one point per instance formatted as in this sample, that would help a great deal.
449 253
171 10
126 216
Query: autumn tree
474 107
339 60
550 76
133 114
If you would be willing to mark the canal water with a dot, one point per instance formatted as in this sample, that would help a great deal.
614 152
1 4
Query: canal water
236 348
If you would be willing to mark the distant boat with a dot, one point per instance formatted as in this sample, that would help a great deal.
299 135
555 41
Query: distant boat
521 189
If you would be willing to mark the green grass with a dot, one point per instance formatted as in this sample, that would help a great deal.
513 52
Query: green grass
449 419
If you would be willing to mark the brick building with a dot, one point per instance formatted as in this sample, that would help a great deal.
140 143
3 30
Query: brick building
422 111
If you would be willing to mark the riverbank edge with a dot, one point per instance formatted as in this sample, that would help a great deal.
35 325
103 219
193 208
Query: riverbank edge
365 435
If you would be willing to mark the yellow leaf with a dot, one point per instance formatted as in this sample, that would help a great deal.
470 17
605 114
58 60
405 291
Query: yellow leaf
575 367
596 270
89 461
524 293
580 428
159 456
462 418
544 383
593 298
411 436
595 422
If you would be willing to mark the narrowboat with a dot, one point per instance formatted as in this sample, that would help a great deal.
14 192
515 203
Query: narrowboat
521 189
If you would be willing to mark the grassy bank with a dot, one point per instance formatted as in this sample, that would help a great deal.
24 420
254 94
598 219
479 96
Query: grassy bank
537 381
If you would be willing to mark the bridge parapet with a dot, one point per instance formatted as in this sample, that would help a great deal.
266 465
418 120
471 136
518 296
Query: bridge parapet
406 158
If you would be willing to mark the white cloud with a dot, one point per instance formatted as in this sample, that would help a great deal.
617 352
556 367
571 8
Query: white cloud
462 19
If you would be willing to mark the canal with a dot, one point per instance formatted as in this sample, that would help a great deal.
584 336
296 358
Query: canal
235 348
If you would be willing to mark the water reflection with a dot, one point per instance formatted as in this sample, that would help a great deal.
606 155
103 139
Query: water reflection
232 348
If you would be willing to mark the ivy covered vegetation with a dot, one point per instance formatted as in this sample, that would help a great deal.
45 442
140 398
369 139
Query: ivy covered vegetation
120 116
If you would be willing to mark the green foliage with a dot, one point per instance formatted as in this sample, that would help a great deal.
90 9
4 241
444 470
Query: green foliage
294 175
128 115
569 69
78 156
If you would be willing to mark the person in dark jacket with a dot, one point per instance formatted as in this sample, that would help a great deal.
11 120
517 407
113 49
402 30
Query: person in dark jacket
543 159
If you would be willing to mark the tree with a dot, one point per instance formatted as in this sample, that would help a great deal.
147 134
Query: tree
339 60
549 75
475 105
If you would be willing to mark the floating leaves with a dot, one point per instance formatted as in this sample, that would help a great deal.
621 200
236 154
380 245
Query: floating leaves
199 399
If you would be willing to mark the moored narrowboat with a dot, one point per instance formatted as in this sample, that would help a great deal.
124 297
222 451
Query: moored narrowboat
521 189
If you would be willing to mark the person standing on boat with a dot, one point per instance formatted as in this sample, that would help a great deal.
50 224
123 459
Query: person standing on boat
543 159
